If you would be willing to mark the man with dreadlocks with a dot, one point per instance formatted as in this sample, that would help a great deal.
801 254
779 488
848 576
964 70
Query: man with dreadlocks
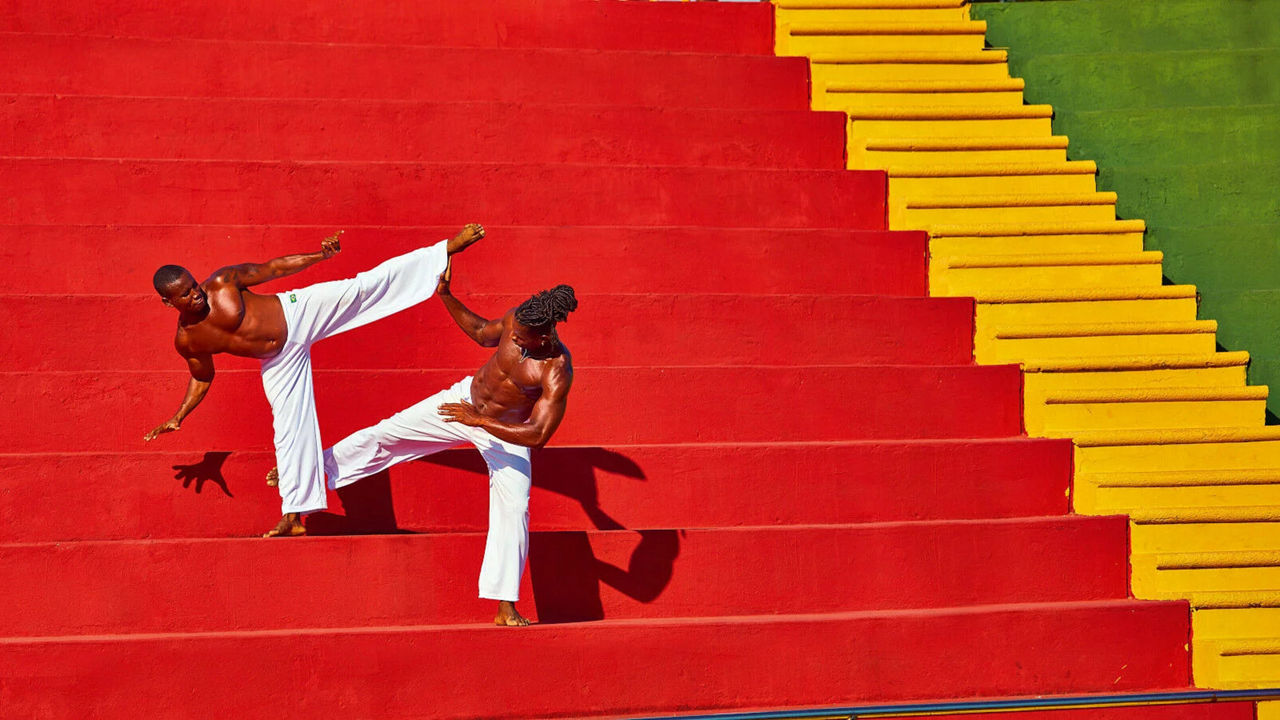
513 403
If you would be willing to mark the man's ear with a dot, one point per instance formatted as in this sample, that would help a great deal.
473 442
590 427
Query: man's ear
165 300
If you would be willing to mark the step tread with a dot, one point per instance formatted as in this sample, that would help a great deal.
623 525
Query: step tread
1037 228
1014 200
1034 296
1004 169
1146 257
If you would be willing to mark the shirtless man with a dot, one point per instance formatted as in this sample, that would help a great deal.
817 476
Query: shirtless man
513 403
221 315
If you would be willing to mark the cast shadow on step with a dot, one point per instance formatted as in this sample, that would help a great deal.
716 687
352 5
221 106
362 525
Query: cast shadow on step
565 573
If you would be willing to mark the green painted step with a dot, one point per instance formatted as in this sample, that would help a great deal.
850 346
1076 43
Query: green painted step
1195 194
1111 81
1120 25
1172 136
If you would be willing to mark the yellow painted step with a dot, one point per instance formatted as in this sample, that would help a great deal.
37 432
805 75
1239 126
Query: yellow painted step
977 275
807 39
1237 664
1075 341
1209 579
1117 236
908 152
1061 413
1192 536
1130 372
1109 493
810 11
831 68
918 93
1159 303
989 209
1235 623
1245 447
948 122
908 184
1269 710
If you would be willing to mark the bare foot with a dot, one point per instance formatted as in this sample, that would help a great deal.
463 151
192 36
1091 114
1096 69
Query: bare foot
508 616
289 526
469 234
273 477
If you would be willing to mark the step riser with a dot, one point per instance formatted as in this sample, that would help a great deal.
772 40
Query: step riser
1037 244
841 660
1038 384
908 189
1015 127
805 16
575 576
1205 537
427 132
741 29
912 218
1100 501
863 158
788 44
1065 420
966 281
1149 582
609 259
179 495
990 316
1202 456
173 68
605 331
1236 623
180 192
829 404
1005 351
844 100
825 74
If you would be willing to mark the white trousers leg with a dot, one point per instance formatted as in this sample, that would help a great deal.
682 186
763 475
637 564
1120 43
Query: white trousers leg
420 430
314 313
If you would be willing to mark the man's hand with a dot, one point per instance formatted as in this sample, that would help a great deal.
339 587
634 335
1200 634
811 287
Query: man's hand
167 426
462 412
330 245
470 233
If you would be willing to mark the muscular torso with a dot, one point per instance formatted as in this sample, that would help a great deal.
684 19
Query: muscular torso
508 384
239 322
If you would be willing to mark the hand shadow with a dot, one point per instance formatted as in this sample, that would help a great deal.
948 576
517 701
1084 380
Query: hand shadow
207 470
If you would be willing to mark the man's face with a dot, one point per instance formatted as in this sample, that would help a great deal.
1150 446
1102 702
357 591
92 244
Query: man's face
531 339
186 295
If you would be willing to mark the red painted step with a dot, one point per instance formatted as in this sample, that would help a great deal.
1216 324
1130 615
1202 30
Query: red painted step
67 259
606 330
511 23
244 129
221 493
609 667
110 411
50 191
575 576
77 65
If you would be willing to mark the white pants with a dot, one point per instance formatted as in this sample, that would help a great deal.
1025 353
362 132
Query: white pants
420 430
317 312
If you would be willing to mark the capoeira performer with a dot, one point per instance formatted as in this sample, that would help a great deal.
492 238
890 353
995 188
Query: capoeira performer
221 315
513 403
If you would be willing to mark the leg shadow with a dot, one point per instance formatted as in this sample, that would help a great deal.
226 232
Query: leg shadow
368 510
566 574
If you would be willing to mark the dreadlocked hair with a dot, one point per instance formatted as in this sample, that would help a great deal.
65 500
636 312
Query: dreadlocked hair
547 307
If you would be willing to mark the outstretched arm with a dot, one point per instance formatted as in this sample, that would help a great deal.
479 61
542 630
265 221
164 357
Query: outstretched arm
543 420
249 274
201 367
486 333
